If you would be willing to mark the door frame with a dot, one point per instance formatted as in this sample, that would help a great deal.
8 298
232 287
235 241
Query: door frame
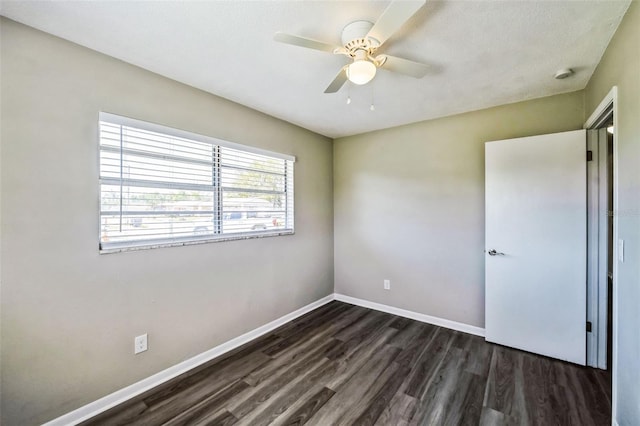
598 247
610 101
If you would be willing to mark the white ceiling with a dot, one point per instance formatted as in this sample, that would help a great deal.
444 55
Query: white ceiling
483 53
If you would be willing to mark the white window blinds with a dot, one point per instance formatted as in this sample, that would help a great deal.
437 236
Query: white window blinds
163 186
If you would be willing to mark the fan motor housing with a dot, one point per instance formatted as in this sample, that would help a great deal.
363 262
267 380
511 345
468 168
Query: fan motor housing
354 31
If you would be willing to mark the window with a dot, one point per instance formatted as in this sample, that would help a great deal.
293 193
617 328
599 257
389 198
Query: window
162 186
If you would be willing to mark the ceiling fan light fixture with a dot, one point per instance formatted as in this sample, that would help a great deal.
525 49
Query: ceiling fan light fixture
361 71
361 40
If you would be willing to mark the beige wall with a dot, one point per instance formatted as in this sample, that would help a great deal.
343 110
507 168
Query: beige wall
409 206
620 66
69 315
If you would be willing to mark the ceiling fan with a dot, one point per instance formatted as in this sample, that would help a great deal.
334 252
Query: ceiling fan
361 41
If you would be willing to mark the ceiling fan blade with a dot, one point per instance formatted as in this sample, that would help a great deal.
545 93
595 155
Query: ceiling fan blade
405 66
303 42
394 16
337 82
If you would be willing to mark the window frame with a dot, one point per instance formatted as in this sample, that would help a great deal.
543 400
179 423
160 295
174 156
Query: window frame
217 235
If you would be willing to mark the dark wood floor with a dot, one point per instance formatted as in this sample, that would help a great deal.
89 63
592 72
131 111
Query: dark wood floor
343 364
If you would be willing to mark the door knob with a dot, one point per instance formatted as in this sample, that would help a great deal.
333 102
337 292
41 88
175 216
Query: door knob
492 252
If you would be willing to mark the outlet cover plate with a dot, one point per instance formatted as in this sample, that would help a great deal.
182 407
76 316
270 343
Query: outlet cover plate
140 344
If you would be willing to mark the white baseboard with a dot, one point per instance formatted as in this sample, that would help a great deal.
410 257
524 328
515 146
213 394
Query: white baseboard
118 397
441 322
94 408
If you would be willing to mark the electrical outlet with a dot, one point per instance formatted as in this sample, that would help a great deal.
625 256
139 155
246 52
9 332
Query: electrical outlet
140 344
387 284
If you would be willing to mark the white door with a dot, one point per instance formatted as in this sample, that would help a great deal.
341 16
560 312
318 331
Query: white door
535 236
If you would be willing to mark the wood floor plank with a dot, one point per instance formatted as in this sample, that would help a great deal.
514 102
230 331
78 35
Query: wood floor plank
470 409
308 407
454 408
358 357
491 417
603 378
595 406
347 347
284 329
280 402
383 396
209 408
500 393
343 364
407 335
290 359
399 410
223 418
247 401
560 407
573 404
546 393
366 409
428 362
417 344
331 306
304 345
324 326
400 323
431 405
181 399
312 322
477 355
353 397
510 364
226 371
371 322
538 391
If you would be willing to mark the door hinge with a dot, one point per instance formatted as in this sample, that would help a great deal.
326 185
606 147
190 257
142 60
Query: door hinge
589 155
589 326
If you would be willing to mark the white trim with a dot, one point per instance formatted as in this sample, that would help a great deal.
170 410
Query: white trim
612 99
159 128
593 223
597 234
94 408
603 262
119 248
441 322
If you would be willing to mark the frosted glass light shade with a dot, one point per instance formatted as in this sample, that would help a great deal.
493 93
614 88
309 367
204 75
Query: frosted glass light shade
361 71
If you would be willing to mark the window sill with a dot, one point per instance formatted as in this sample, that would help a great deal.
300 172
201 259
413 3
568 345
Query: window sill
161 244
